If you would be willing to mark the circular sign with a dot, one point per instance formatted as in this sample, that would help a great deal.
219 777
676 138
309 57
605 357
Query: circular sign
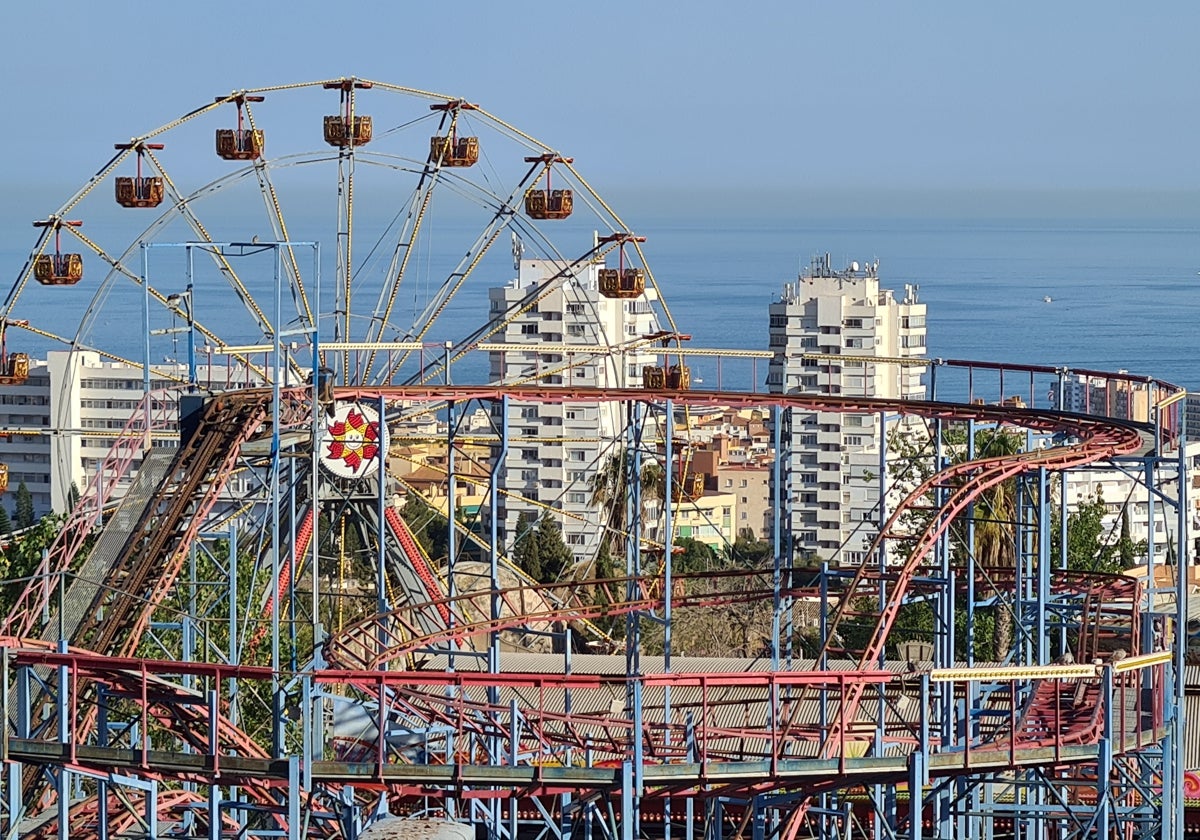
354 441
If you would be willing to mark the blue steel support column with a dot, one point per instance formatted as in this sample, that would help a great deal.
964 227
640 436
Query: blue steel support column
152 811
1104 760
451 590
63 779
883 510
668 554
214 811
777 493
102 809
314 541
948 723
918 775
1175 756
786 548
234 716
1043 550
12 770
191 326
633 554
451 535
627 828
1151 518
381 602
1063 642
277 745
493 651
294 793
146 330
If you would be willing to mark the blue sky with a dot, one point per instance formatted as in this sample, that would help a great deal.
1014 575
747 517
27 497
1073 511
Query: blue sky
769 95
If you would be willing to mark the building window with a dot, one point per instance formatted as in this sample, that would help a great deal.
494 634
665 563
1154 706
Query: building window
574 308
578 455
529 329
574 539
576 498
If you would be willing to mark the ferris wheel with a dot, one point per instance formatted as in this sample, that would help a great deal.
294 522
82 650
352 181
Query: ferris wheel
367 262
379 244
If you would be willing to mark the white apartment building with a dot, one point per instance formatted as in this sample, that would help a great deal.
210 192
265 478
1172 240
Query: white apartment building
556 449
1095 394
60 424
833 471
1150 518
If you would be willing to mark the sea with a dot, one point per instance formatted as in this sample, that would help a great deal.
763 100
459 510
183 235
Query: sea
1107 281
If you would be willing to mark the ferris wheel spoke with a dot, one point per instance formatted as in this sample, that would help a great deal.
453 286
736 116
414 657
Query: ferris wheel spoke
26 272
278 224
454 281
223 265
427 181
100 175
402 254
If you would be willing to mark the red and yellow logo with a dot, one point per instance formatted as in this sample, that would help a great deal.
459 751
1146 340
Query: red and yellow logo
352 442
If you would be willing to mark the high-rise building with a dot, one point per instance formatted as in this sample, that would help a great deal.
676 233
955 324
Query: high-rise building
562 331
837 332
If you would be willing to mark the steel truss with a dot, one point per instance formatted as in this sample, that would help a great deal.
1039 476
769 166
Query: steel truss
427 701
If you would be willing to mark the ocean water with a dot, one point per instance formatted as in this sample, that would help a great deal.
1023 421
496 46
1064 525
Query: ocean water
1124 293
1123 289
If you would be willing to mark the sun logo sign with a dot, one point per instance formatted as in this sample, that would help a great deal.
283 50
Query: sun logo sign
353 440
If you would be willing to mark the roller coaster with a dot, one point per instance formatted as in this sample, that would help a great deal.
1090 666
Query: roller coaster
246 636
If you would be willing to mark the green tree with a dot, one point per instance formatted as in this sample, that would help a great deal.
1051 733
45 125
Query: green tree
24 554
73 497
525 551
695 557
554 555
5 522
1090 546
749 550
1129 551
25 514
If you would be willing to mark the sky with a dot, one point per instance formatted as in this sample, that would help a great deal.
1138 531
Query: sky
661 96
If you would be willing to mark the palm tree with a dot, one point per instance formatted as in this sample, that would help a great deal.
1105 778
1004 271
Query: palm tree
996 527
610 488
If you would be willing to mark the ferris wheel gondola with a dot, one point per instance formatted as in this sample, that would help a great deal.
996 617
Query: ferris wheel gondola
58 269
348 129
240 143
140 190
